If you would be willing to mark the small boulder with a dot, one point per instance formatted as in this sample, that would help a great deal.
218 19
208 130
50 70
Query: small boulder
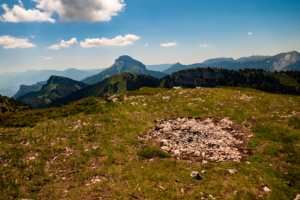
266 189
297 197
196 175
232 171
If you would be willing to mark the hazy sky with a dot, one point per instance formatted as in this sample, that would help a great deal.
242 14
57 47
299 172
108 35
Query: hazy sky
61 34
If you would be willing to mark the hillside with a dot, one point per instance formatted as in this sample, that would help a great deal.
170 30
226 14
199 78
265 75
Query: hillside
283 82
56 87
116 84
274 63
92 149
10 105
123 64
24 89
204 77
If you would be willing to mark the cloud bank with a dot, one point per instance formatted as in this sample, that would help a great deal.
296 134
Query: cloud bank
63 44
117 41
10 42
67 10
169 44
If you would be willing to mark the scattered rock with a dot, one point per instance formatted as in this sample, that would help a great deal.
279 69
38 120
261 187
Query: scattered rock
182 190
32 158
204 140
232 171
167 98
134 103
196 175
204 161
77 127
199 99
177 88
161 187
203 171
266 189
211 196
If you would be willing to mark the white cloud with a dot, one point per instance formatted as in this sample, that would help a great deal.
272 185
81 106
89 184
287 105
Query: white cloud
117 41
169 44
10 42
63 44
20 2
204 45
146 45
67 10
48 58
250 33
20 14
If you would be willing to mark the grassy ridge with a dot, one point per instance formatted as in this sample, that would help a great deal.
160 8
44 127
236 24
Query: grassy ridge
88 155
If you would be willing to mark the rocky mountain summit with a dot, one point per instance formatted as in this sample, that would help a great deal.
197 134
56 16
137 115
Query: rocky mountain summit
201 140
123 64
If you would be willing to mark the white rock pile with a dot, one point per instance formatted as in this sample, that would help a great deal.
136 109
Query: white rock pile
202 140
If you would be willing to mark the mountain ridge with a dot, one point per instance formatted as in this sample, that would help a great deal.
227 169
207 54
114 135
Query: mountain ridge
56 87
272 63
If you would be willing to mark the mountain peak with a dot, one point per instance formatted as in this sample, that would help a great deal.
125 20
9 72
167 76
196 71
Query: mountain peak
125 58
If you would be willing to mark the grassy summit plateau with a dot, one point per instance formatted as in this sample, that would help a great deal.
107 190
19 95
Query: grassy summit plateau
93 149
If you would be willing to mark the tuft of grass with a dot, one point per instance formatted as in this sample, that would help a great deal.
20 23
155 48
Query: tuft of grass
294 122
150 152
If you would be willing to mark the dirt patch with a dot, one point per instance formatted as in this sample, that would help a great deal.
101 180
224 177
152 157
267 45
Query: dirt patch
210 139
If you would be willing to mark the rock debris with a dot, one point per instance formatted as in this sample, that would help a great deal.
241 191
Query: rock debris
209 140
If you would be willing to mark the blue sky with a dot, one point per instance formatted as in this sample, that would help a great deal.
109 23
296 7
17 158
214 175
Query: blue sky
173 30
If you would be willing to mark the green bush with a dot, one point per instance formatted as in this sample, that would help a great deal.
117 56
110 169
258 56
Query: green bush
150 152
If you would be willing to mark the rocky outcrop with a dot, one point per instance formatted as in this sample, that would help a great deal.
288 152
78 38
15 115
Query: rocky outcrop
289 58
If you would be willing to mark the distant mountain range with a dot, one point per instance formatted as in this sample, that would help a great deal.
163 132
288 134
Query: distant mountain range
280 62
159 68
123 64
60 90
20 83
10 82
55 88
116 84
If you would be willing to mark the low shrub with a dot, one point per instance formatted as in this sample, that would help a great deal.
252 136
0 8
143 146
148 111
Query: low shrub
150 152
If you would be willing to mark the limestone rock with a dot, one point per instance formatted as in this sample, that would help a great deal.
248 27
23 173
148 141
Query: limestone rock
196 175
266 189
